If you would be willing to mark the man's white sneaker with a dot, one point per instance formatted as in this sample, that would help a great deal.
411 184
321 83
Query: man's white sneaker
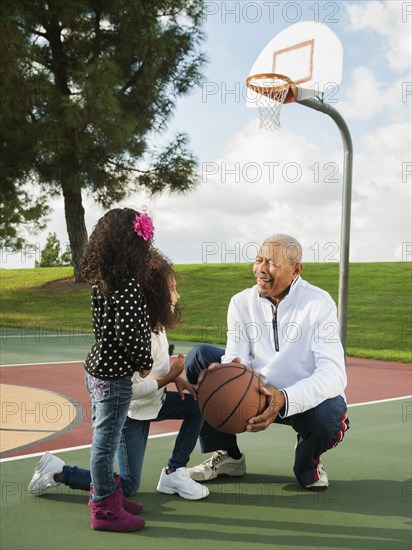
42 479
179 482
220 464
322 482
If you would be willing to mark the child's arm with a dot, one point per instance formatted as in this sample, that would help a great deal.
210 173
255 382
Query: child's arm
96 312
132 324
175 370
183 385
146 387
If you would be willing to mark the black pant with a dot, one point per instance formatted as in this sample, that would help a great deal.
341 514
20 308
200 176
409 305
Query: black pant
318 429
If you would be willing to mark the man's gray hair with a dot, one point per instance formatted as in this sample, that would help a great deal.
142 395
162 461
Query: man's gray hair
292 247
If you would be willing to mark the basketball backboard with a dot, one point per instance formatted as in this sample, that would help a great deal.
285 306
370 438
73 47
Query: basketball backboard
308 53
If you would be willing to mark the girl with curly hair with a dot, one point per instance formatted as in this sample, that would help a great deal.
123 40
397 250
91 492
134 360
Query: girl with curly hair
151 402
115 262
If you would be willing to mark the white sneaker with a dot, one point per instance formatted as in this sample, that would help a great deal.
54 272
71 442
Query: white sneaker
220 464
179 482
42 479
322 482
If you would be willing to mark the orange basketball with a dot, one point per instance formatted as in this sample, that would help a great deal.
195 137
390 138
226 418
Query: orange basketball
229 396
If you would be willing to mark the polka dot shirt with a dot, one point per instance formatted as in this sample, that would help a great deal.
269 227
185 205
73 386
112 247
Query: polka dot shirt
122 333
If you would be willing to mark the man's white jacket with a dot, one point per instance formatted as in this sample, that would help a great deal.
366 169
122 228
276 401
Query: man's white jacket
295 345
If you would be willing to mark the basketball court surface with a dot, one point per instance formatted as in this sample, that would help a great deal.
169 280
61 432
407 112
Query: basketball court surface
45 406
368 504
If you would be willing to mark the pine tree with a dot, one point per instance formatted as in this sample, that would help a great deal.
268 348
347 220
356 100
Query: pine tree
50 255
93 81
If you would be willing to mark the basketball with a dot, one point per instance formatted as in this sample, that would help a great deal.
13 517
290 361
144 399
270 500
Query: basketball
229 396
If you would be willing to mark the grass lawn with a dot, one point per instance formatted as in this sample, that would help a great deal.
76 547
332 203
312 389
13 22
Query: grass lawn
379 316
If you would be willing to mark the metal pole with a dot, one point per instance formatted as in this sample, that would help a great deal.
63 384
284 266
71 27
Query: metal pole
320 105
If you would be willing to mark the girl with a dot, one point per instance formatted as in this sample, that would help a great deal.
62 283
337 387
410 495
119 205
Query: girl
116 261
151 402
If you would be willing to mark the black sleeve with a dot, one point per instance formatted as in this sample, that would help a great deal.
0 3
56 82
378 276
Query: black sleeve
132 324
96 314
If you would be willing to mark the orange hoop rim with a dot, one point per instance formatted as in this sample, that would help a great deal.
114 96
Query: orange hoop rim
268 91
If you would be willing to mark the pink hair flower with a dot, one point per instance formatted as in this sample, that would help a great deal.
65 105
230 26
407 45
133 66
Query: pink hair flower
143 226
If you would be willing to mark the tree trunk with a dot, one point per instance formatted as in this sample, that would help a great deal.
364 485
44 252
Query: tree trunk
76 228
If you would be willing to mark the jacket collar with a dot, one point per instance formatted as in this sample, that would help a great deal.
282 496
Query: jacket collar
297 281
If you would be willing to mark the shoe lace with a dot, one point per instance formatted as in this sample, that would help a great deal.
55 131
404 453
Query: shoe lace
214 459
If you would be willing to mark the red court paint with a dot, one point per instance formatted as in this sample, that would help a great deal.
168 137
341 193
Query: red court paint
368 380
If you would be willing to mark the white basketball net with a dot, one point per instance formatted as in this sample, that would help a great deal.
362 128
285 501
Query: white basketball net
270 97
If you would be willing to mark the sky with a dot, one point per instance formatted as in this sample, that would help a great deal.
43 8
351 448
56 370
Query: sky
254 183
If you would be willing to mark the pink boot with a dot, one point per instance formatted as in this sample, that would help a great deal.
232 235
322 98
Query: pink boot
128 505
109 515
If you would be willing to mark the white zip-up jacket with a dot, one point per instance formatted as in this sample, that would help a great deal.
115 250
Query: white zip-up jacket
295 345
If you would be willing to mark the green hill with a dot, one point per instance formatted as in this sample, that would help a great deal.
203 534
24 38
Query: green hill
379 316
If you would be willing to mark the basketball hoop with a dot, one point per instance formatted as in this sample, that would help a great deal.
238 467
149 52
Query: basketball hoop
273 90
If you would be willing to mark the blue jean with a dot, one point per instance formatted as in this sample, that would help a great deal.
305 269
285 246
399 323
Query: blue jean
110 403
133 442
197 359
318 429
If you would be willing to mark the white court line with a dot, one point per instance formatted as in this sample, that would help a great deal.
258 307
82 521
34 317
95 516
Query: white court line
156 436
379 401
49 363
47 335
58 363
68 449
37 364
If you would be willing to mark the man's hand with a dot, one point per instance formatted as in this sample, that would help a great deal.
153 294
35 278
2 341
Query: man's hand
276 400
203 374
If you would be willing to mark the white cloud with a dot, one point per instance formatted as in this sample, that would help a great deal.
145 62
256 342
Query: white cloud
245 196
390 20
369 96
225 220
366 96
265 183
381 220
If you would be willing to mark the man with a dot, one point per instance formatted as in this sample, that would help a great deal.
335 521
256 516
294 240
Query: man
287 330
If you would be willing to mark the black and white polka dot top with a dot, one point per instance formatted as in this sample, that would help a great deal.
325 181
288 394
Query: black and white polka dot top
122 333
